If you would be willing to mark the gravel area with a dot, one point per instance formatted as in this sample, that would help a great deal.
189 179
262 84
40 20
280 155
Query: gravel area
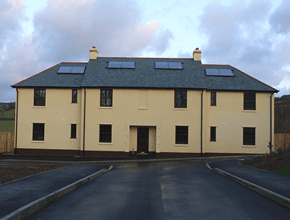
10 171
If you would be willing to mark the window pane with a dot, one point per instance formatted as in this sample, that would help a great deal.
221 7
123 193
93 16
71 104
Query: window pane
212 133
249 136
106 97
180 99
249 101
105 133
38 132
39 97
74 96
181 135
73 131
213 98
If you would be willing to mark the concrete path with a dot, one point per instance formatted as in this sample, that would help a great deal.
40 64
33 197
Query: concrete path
267 183
17 194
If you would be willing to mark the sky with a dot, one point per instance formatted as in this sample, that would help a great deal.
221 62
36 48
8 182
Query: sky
251 35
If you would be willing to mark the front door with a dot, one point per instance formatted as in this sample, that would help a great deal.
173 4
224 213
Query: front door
142 140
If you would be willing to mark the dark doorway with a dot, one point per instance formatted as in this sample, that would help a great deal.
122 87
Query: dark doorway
142 140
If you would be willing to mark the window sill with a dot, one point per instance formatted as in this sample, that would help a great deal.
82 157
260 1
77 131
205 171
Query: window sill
212 141
104 143
143 108
180 109
38 106
250 111
181 145
213 105
37 141
248 146
104 107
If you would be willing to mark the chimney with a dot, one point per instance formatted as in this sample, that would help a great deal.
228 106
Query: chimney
94 53
197 54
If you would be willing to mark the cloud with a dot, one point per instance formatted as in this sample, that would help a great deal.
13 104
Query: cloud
184 55
66 30
280 18
10 15
238 35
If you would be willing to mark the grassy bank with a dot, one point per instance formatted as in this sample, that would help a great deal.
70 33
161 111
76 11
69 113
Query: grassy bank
274 162
7 125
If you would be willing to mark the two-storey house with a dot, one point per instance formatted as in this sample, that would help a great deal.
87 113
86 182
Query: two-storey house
113 106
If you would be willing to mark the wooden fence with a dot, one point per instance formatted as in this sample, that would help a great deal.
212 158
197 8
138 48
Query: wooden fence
281 141
6 142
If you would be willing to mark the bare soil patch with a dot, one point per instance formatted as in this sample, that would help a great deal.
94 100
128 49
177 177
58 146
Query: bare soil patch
271 161
10 171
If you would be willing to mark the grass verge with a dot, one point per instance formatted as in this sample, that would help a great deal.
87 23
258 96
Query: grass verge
274 162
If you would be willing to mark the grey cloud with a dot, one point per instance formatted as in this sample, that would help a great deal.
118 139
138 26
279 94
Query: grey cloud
236 37
113 27
184 55
280 19
9 21
161 42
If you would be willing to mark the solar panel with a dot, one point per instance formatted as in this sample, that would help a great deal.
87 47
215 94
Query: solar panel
128 65
212 72
64 69
174 65
225 72
161 65
114 64
78 69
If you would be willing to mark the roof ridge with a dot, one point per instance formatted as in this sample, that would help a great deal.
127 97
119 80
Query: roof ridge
145 58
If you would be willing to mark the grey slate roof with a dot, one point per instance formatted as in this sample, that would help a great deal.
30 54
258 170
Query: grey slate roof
192 76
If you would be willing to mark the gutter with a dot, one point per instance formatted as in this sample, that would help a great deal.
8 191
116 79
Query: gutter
201 122
16 122
84 133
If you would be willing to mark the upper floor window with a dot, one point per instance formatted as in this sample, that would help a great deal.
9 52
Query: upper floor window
106 97
74 96
38 132
180 99
249 101
39 97
213 99
181 135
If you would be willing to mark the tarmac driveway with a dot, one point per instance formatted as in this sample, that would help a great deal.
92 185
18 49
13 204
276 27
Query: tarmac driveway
163 190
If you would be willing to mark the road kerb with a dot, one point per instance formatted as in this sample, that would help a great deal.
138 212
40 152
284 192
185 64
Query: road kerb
265 192
35 206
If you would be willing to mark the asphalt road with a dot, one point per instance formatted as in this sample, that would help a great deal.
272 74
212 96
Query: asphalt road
163 190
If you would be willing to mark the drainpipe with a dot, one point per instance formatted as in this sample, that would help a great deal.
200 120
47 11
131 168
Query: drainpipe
84 133
271 138
201 122
16 122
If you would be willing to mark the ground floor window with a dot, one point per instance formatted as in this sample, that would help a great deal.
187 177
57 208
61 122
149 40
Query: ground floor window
181 133
106 133
212 133
38 132
73 131
249 136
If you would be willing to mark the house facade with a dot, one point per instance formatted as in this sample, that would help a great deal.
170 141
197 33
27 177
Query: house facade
112 106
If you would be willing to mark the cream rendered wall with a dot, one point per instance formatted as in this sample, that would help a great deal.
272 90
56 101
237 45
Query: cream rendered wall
229 118
58 107
126 112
